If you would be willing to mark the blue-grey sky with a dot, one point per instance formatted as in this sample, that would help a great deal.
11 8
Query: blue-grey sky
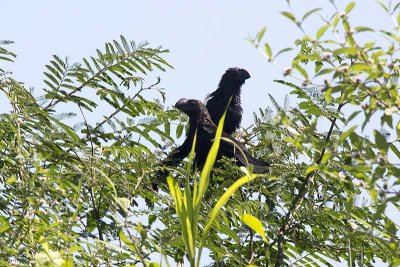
204 38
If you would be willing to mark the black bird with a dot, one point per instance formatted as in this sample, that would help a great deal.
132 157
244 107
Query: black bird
200 119
228 87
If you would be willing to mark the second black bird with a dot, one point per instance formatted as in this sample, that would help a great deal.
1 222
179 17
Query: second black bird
200 120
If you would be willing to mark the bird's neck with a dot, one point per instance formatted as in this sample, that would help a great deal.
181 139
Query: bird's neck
236 98
205 119
228 89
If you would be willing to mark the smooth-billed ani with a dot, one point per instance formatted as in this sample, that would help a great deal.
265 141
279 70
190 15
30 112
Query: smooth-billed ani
228 87
200 120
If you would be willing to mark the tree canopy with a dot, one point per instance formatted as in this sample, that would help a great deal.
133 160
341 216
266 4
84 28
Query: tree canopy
77 191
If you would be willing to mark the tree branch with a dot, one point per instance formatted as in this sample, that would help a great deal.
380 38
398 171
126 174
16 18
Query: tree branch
299 197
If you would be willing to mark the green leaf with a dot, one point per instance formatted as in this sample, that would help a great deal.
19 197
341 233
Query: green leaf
336 20
289 16
123 203
380 141
268 51
67 129
318 66
182 212
260 34
395 150
324 71
390 34
254 224
4 225
349 7
125 44
283 51
274 102
126 240
383 6
88 67
398 130
322 30
353 115
222 201
328 95
12 179
363 29
310 12
50 258
350 51
395 7
302 71
6 59
398 19
360 67
179 130
346 134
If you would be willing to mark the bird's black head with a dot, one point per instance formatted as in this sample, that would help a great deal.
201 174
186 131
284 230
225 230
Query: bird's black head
194 108
231 81
236 74
190 106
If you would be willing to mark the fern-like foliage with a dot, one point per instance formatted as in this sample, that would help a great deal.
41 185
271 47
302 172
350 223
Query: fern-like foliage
120 64
66 183
119 67
5 55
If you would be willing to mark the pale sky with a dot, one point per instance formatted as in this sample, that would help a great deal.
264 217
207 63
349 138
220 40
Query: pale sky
204 37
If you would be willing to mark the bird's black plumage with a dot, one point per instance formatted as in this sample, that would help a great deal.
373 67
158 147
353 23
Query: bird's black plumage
229 87
200 120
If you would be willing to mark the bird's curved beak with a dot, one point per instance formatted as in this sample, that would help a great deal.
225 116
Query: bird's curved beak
181 103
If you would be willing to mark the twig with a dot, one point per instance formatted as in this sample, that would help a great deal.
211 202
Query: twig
90 190
129 100
299 198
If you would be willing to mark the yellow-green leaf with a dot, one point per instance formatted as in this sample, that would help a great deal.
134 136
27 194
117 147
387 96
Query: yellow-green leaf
383 6
268 50
222 201
289 16
260 34
310 12
126 240
123 203
349 7
398 19
363 29
398 129
44 243
283 51
254 224
302 71
12 179
51 258
346 134
322 30
395 150
374 194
